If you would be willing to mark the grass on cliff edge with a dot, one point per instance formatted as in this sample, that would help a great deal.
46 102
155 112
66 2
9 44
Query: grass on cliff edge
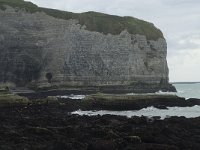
94 21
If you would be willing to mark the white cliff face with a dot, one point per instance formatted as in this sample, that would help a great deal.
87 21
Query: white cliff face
34 45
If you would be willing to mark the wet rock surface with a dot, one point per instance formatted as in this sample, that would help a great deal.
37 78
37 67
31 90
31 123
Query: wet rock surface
100 101
194 101
132 102
51 126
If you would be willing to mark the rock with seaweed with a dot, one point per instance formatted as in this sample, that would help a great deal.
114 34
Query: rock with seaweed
132 102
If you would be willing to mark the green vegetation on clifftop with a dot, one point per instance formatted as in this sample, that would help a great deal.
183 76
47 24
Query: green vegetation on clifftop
28 6
94 21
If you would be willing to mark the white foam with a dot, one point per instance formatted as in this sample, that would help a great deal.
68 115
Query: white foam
188 112
157 93
188 90
166 93
72 96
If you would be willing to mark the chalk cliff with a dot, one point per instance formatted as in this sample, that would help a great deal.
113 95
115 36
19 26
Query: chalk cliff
44 46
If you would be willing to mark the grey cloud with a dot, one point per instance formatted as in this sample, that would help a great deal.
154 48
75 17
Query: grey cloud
180 2
185 42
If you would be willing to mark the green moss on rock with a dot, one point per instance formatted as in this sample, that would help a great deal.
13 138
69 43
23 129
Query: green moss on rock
94 21
7 100
47 100
130 102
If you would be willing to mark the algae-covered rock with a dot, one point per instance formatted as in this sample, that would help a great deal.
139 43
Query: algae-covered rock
4 91
131 102
5 87
9 99
47 100
12 100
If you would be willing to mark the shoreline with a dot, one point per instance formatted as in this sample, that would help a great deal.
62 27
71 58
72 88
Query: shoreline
52 127
98 101
149 112
46 122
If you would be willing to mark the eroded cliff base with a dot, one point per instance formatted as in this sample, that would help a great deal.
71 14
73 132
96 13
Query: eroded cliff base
50 89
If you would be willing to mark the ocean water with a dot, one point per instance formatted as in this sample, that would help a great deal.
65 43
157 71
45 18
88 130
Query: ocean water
188 90
183 90
188 112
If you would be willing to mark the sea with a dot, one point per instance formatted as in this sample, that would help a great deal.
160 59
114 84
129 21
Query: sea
189 90
186 90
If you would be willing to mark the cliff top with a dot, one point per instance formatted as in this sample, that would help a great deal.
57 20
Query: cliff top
93 21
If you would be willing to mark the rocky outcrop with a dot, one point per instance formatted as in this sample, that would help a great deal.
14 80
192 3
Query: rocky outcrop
194 101
53 128
132 102
40 48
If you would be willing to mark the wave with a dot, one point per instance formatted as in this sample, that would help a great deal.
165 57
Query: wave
157 93
71 96
188 112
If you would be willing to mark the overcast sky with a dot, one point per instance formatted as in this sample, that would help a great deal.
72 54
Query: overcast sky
178 19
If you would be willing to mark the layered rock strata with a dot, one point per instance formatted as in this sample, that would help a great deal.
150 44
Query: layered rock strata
40 49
